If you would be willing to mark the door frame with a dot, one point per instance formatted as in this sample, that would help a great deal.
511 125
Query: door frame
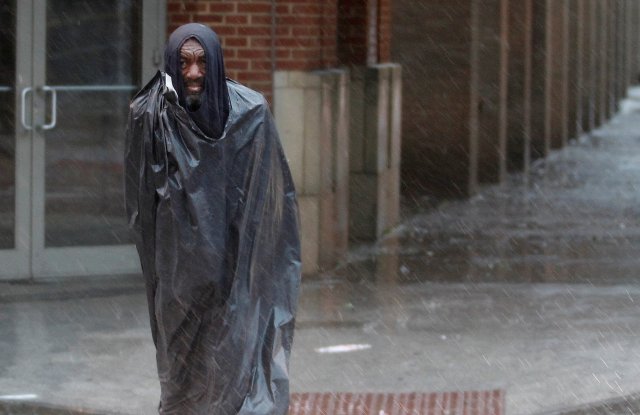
16 262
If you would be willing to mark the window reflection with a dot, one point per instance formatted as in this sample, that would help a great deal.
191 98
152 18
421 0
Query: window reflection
93 63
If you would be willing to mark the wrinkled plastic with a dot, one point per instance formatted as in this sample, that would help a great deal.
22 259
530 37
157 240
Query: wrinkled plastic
215 224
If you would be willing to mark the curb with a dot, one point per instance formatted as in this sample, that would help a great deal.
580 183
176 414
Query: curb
67 289
624 405
39 408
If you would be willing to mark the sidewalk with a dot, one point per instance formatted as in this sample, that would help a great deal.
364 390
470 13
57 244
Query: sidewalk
530 290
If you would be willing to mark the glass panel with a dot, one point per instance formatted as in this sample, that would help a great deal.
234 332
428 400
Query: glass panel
93 49
7 123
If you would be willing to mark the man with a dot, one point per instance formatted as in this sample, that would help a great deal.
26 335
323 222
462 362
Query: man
212 209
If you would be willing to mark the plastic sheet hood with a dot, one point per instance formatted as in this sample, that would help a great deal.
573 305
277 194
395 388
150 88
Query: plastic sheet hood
216 227
213 112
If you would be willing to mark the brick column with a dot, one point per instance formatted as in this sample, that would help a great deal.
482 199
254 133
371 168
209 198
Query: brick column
596 67
634 22
384 30
539 90
555 111
437 148
490 45
353 24
630 15
519 89
622 50
364 32
603 73
634 44
621 40
580 17
456 122
612 59
568 72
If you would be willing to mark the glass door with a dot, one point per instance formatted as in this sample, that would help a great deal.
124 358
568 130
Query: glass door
77 65
84 77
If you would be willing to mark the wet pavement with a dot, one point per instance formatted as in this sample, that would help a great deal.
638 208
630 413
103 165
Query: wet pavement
529 288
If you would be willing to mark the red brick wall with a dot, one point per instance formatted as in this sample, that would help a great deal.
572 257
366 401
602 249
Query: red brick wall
384 31
305 35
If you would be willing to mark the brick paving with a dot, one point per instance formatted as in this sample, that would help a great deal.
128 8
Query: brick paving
437 403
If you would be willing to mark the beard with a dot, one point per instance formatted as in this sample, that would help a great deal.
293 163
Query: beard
193 101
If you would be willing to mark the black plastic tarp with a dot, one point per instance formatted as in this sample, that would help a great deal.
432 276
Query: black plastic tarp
216 227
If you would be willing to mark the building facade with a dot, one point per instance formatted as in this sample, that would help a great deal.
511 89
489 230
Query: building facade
469 89
491 85
69 69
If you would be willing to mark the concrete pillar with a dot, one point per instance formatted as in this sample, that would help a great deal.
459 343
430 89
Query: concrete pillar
593 76
574 44
610 59
587 67
603 31
334 234
519 86
587 35
312 115
568 62
614 57
628 21
581 41
636 38
555 111
539 90
375 142
622 51
623 60
490 84
634 42
635 75
630 16
503 120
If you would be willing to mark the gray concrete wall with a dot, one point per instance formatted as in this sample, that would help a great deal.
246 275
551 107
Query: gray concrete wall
312 114
341 133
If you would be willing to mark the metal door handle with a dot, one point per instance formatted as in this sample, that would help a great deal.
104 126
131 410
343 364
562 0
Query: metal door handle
23 109
54 107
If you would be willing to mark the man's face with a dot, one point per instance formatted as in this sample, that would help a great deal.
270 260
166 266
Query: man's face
192 63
